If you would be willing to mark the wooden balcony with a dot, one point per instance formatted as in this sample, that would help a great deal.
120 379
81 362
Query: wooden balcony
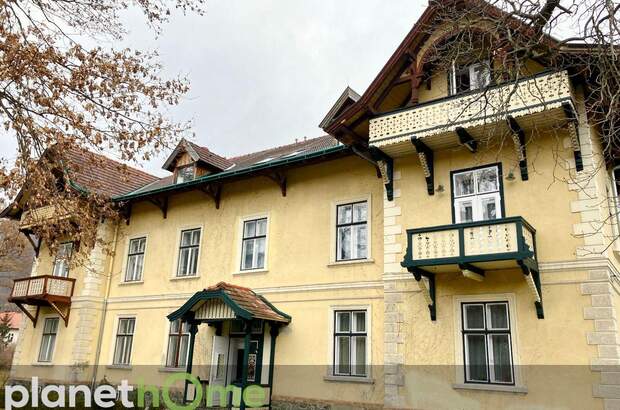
37 216
539 101
473 249
46 290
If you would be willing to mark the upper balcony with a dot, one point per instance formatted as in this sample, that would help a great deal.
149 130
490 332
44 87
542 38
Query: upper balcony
473 249
45 290
540 101
44 214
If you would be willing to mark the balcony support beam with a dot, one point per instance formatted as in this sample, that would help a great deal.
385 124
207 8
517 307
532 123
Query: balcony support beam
573 130
36 243
425 154
34 318
467 140
518 137
162 204
472 272
429 291
64 315
532 278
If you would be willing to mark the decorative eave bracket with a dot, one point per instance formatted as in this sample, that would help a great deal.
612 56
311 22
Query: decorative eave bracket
518 137
33 318
162 204
280 179
573 130
425 154
385 163
215 192
428 289
532 277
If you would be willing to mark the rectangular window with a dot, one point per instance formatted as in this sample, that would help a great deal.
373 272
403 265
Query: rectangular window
63 259
352 231
185 173
178 343
124 341
476 195
48 339
188 253
350 341
469 77
135 260
254 242
487 343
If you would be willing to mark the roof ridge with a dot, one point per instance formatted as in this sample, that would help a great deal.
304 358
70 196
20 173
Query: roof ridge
278 147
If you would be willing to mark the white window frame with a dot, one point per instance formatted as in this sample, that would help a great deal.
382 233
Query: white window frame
459 348
238 259
614 205
177 252
333 243
471 68
126 258
254 238
477 198
331 359
114 339
66 263
53 352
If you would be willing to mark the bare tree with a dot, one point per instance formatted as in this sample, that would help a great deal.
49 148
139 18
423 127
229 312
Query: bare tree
58 95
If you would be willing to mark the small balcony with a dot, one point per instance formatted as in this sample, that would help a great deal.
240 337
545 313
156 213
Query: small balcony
539 101
37 216
473 249
46 290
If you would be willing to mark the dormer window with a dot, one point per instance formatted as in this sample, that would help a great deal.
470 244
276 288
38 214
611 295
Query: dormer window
185 173
469 77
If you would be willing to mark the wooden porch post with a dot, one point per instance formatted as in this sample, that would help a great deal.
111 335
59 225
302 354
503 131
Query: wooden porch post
246 356
274 331
193 329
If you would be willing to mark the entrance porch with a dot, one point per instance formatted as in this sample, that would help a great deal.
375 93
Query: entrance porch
243 347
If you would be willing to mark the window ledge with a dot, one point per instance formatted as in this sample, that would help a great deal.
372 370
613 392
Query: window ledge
119 367
185 277
491 387
171 369
251 271
351 262
133 282
349 379
42 364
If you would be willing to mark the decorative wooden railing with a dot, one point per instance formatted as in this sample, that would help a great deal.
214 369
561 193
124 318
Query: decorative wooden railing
530 95
41 215
484 241
46 290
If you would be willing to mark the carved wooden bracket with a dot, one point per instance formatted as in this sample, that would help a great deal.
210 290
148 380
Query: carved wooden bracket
518 137
162 204
573 130
215 192
280 179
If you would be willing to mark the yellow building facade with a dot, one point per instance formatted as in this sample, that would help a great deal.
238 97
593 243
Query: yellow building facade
479 271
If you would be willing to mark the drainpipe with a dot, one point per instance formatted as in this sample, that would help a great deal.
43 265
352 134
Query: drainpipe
104 310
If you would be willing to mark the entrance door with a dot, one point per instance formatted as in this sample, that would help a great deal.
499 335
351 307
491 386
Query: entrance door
219 360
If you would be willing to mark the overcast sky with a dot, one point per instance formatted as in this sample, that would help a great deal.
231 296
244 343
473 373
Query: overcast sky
266 72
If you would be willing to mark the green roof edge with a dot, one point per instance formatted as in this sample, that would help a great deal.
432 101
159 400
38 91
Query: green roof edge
226 174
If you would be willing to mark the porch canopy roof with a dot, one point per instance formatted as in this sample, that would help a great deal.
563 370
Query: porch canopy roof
228 302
